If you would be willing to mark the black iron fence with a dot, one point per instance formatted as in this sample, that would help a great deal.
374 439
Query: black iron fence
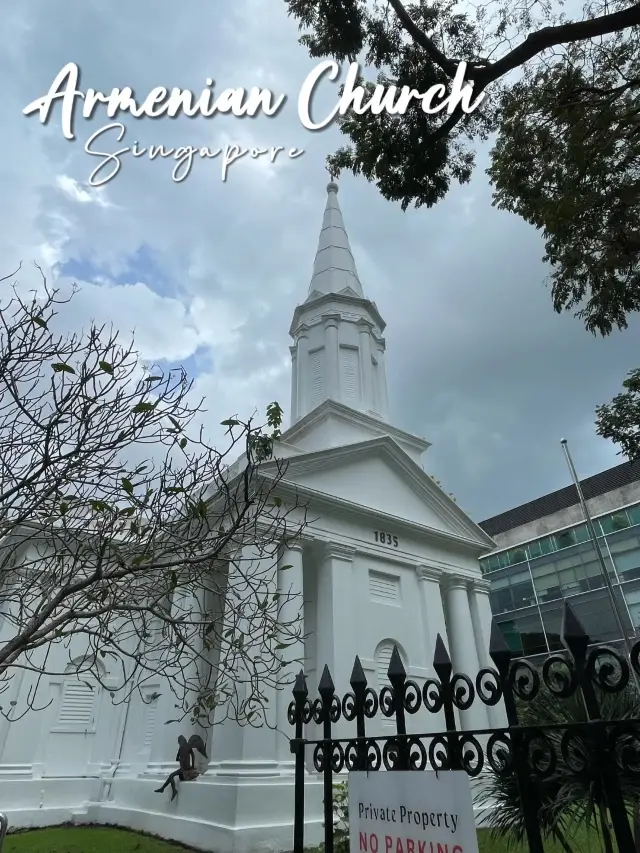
606 749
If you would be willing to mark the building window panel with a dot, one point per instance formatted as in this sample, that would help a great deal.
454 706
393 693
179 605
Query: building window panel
582 534
629 561
547 545
565 539
634 514
534 549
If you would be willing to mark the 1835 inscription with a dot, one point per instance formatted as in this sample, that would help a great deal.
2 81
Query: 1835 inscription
385 538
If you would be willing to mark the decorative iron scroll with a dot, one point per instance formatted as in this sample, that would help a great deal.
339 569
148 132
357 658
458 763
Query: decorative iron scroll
530 754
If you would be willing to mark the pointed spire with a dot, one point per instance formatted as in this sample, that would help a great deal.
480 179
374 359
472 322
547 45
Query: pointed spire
334 269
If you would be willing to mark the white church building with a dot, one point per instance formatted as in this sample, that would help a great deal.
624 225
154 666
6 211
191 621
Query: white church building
386 559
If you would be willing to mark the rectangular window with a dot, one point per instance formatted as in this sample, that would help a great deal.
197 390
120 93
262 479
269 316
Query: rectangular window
547 545
634 514
534 549
511 636
582 533
628 560
565 539
616 521
517 555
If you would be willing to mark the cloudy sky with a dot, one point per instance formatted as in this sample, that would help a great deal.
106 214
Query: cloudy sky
208 272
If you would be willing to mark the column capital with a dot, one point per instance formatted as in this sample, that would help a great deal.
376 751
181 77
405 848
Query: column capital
296 546
331 319
428 573
364 325
481 585
294 352
457 582
339 550
302 331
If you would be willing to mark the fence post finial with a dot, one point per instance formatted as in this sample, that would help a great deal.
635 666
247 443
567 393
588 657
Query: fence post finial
574 637
499 651
326 682
442 661
358 678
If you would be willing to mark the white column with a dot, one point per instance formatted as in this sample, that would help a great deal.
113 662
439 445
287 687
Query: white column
302 369
291 615
481 617
382 379
364 331
335 633
248 750
331 349
165 740
464 654
429 580
294 385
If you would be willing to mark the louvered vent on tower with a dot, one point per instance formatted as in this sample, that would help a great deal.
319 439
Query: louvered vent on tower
317 377
77 705
350 369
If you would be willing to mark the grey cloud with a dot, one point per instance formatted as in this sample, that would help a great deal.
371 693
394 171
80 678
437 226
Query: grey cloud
477 360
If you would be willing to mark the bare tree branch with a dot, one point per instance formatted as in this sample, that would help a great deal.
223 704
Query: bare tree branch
131 550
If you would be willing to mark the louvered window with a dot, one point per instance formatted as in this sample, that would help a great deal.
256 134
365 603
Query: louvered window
150 723
77 706
317 377
350 370
382 663
383 588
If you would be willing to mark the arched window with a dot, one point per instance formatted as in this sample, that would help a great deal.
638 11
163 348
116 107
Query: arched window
383 657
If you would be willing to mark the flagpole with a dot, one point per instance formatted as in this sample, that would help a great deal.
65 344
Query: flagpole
605 572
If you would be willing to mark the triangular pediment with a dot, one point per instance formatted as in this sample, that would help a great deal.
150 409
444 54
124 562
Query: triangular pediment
380 476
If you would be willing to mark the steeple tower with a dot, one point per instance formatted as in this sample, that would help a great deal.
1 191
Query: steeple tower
338 350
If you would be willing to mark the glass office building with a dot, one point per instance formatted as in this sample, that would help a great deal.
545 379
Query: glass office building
532 577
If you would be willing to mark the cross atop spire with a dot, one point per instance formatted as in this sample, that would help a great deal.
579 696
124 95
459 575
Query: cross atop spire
334 269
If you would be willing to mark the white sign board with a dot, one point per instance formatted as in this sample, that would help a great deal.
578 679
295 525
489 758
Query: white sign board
411 811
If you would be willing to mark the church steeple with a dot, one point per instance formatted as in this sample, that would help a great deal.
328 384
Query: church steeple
338 351
334 269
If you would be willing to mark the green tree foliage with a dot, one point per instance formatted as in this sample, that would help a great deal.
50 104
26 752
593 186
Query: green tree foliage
620 419
567 160
572 795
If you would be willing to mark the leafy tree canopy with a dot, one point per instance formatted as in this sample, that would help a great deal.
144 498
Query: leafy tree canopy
561 96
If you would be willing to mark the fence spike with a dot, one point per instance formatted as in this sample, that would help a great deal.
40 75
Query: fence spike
358 678
573 636
441 660
499 651
326 682
396 667
300 686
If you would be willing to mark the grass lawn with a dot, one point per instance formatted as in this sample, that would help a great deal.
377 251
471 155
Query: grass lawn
579 841
86 839
102 839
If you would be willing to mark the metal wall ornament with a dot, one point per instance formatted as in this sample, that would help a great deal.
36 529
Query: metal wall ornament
529 754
